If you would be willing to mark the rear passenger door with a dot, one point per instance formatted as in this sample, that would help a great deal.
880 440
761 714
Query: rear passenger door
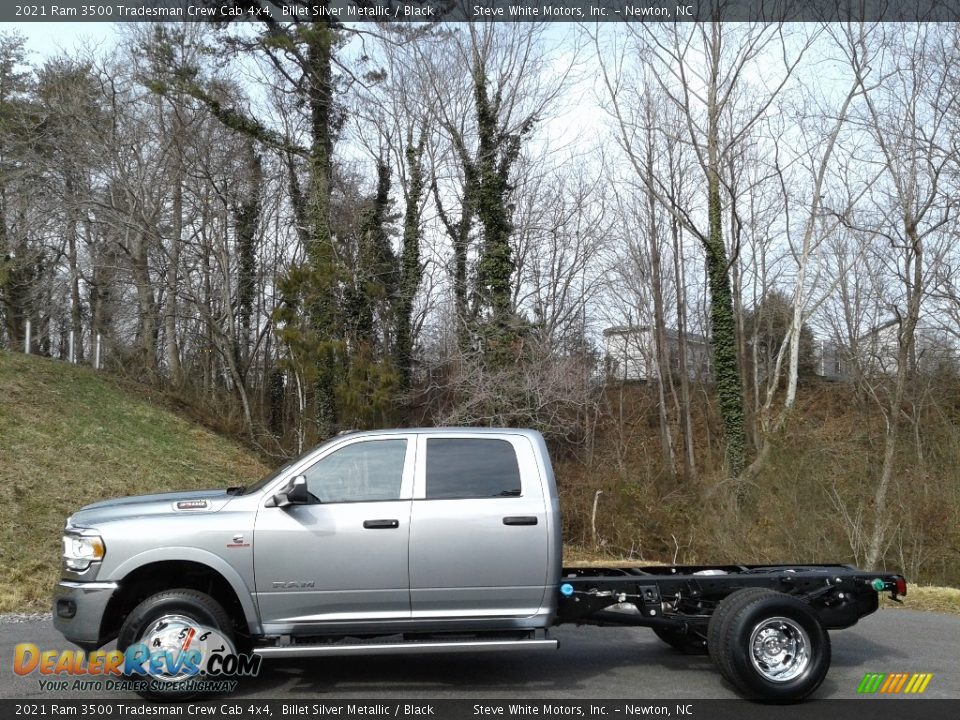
478 531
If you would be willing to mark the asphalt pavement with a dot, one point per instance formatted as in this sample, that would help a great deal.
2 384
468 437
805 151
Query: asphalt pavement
612 663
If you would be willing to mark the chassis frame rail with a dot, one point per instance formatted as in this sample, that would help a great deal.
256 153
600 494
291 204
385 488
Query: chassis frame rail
684 597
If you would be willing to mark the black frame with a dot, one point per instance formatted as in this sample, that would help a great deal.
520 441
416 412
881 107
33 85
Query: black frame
674 596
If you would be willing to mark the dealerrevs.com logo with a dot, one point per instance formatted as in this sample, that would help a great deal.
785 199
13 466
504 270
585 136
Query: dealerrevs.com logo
173 654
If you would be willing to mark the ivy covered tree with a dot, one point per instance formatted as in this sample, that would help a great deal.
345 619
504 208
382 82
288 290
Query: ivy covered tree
411 269
365 392
701 72
310 318
497 152
17 270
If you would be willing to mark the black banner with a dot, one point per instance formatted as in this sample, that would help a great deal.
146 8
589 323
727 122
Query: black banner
913 709
356 11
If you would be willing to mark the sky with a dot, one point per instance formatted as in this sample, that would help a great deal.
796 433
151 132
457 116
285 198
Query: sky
49 38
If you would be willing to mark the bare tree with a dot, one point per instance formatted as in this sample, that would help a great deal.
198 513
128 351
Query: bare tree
903 74
701 71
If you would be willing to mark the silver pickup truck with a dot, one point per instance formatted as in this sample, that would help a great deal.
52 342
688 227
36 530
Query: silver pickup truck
423 540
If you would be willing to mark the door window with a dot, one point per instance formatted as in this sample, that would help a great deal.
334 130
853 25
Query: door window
362 472
471 468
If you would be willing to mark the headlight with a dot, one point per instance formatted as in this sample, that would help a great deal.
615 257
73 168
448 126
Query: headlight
81 550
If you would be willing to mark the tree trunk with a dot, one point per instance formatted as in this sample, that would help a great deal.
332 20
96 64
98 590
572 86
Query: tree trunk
76 318
659 323
689 457
321 307
146 305
905 353
247 221
410 269
173 263
723 337
459 234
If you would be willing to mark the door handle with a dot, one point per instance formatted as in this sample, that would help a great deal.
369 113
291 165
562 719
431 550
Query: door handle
520 520
381 524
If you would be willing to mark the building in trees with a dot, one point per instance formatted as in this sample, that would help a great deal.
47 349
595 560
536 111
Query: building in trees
630 353
876 352
833 362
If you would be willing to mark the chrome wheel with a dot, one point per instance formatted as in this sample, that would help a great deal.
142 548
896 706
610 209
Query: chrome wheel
169 639
174 634
780 649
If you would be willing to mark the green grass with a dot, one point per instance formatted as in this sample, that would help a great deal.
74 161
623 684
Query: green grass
927 597
70 436
578 556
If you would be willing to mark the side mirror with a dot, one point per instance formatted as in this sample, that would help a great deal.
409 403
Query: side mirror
295 493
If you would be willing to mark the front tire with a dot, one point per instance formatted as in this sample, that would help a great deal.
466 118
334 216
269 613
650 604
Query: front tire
149 623
770 646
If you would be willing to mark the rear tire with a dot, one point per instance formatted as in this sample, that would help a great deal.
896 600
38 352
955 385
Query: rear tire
187 606
769 646
720 616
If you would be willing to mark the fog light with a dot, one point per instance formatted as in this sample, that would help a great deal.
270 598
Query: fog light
66 608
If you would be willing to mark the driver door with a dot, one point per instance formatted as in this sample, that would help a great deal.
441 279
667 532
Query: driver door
343 556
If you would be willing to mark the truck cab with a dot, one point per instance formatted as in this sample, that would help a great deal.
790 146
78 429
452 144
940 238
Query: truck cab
371 533
444 526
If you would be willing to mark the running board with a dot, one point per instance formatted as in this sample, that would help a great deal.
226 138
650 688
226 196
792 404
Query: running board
404 648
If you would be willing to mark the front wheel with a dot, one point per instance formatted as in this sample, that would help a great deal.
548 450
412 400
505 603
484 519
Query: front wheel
170 635
770 646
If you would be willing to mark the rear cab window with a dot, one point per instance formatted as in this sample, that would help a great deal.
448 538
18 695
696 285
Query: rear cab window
462 468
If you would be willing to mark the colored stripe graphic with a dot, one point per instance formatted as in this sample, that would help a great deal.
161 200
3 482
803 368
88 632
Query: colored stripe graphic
870 683
894 683
890 682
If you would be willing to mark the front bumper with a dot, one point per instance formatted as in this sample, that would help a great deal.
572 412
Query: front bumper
78 609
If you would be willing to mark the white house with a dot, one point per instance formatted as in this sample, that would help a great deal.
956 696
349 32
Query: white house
879 348
877 351
630 352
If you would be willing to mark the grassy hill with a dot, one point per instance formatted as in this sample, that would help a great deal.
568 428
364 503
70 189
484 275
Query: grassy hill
70 436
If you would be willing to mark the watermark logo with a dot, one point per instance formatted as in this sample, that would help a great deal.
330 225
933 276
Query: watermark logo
171 654
894 683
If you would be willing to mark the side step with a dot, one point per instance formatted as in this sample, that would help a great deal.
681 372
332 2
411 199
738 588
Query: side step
404 648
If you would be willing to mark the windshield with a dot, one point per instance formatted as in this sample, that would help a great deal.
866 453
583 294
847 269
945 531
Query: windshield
263 482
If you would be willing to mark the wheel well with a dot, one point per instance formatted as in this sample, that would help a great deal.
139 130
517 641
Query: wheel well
167 575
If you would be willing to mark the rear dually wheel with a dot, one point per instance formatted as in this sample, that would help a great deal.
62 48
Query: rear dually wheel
769 646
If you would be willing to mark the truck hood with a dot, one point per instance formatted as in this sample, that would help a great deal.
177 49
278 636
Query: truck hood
140 505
